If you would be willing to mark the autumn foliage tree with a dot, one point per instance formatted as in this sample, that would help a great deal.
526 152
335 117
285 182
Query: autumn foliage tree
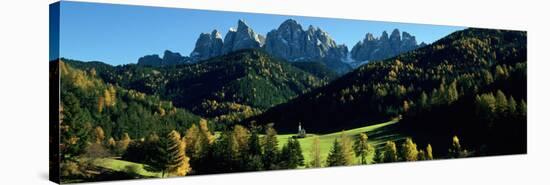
389 152
123 143
315 153
409 152
99 135
171 157
199 142
342 153
362 148
456 150
429 155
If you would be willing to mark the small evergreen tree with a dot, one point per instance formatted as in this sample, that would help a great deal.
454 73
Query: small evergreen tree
253 157
336 155
271 150
291 154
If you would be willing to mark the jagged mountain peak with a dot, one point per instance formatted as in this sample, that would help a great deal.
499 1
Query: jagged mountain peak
243 37
384 36
371 48
395 35
241 24
216 34
207 45
169 58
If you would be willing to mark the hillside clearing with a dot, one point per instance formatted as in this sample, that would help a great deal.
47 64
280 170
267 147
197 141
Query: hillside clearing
378 134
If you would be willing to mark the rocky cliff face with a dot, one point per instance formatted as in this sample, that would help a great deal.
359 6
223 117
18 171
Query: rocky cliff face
241 38
208 45
169 58
371 48
211 44
291 42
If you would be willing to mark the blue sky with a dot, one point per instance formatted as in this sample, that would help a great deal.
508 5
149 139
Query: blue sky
120 34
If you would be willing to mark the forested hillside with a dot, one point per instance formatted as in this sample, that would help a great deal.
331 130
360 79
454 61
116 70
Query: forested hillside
464 64
227 89
88 103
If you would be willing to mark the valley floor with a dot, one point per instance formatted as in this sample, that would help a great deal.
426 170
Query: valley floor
378 134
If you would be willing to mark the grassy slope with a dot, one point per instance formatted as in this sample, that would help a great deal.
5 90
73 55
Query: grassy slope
378 135
121 165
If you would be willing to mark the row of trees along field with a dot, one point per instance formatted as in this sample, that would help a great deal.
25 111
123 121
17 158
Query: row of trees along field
344 148
200 151
235 150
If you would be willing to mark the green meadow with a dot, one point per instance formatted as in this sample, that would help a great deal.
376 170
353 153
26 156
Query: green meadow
377 133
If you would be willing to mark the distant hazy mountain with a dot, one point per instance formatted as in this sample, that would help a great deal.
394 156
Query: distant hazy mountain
169 58
371 48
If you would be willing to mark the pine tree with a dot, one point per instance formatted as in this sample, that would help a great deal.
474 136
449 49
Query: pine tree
362 148
486 107
342 152
452 92
171 157
271 152
239 143
199 141
423 101
487 77
207 137
202 158
390 152
347 149
254 154
74 129
291 154
512 106
179 163
192 139
409 152
429 155
501 103
315 153
336 155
